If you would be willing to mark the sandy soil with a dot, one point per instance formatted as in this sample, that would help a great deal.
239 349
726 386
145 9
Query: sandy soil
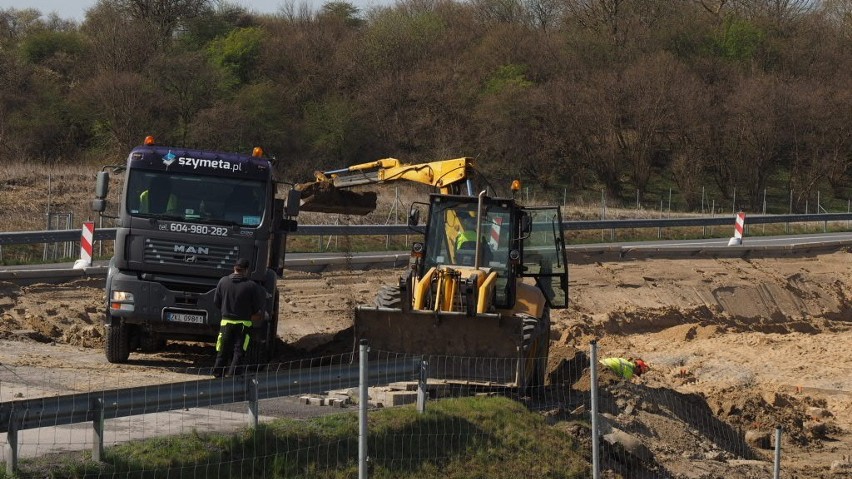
734 346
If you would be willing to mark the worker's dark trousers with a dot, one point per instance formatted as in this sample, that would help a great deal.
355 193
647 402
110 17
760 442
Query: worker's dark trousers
230 348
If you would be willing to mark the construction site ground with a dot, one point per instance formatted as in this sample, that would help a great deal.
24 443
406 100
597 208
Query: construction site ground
751 343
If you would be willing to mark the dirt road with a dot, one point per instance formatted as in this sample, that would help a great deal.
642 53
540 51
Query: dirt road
756 342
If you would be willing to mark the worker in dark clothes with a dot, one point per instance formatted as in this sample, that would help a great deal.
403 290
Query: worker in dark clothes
241 302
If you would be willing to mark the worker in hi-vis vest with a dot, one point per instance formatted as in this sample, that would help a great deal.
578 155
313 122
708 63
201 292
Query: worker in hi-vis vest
626 368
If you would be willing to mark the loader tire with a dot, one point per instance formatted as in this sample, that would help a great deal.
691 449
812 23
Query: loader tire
117 342
536 345
389 296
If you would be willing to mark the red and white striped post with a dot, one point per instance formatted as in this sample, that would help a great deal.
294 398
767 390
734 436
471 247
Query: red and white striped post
739 227
86 241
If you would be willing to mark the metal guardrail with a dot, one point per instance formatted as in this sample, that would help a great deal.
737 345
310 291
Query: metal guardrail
109 404
34 237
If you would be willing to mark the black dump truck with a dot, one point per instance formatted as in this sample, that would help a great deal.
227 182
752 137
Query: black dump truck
185 216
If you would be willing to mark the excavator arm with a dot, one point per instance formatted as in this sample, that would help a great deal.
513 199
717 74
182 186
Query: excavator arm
329 194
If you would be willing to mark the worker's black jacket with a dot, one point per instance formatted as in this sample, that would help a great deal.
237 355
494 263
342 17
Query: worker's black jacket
238 297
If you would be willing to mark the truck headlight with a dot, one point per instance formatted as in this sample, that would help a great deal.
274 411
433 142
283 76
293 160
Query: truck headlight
121 301
122 296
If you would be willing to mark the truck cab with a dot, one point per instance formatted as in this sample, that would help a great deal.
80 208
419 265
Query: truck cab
184 218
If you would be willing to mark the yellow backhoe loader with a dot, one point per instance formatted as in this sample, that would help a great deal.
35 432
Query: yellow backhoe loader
477 295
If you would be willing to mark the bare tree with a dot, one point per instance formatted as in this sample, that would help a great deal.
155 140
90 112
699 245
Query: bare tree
165 16
124 107
187 80
116 42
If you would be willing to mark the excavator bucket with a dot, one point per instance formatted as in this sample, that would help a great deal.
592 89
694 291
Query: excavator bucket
486 348
324 197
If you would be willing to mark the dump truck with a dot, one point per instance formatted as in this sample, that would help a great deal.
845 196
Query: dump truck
477 296
184 217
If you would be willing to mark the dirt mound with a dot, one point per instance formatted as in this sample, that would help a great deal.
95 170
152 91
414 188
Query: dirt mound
70 313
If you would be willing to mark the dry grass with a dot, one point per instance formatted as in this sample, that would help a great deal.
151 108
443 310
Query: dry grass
29 191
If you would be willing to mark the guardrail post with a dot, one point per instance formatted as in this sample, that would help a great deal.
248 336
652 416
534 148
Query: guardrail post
363 397
421 387
252 402
12 444
98 430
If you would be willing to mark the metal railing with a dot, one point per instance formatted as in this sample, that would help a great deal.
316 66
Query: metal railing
34 237
98 406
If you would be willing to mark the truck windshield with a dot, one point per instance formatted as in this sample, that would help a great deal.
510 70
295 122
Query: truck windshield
210 199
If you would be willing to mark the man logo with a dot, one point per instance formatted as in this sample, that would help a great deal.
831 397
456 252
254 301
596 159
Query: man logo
179 248
190 259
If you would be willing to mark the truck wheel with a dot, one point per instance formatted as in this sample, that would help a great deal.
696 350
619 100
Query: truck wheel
117 342
389 296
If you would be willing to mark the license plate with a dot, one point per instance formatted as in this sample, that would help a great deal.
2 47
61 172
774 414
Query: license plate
185 317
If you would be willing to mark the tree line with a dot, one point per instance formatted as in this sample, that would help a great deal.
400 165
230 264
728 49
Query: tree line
620 95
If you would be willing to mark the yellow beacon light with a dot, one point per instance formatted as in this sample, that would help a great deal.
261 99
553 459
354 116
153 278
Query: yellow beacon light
149 140
257 152
516 185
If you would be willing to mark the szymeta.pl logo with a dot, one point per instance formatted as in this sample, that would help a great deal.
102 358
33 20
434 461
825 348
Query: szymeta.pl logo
196 163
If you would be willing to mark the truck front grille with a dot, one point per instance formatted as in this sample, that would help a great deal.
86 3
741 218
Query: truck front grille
198 257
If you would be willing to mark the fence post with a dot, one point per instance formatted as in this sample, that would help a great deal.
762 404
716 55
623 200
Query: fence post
252 402
734 202
12 445
98 430
363 397
670 203
421 387
593 358
777 470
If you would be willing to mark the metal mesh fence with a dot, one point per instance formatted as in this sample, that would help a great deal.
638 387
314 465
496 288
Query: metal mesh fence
304 419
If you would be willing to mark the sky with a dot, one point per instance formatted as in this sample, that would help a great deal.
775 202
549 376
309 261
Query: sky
76 9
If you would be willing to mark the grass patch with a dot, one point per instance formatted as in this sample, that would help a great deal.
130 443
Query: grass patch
474 437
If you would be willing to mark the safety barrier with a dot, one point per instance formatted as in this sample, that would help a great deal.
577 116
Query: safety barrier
34 237
86 242
98 406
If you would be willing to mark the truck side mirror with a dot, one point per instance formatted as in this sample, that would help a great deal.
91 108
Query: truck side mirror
101 186
294 198
101 191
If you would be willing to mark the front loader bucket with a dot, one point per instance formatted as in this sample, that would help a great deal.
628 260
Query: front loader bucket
488 348
324 197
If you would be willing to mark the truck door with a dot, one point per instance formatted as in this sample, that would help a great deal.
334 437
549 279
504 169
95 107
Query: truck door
544 255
